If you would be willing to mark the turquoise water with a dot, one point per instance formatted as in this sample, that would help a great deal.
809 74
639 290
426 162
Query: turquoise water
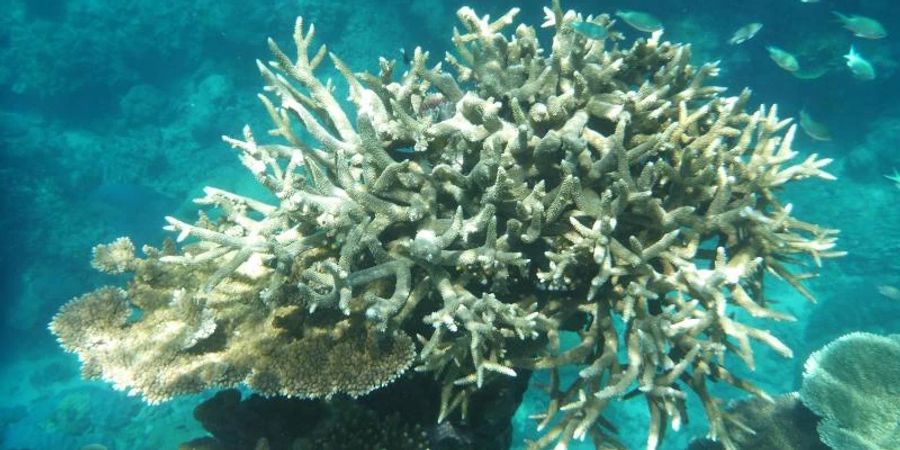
111 116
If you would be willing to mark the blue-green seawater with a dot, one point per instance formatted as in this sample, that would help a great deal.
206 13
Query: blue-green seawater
111 113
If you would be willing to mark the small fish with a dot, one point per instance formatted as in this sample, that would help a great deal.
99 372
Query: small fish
890 292
745 33
810 74
813 129
406 58
896 179
809 1
590 30
861 68
640 20
784 59
862 26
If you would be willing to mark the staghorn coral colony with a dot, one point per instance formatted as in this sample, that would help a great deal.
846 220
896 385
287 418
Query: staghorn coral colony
459 218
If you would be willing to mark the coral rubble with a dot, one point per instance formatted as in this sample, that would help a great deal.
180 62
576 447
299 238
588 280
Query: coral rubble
459 218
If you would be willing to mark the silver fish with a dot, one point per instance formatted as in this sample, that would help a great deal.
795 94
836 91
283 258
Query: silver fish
895 177
590 30
784 59
862 26
813 129
861 68
640 20
745 33
890 292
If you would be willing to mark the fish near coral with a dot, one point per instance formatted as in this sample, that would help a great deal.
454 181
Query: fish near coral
862 26
862 69
590 30
640 21
745 33
784 59
813 129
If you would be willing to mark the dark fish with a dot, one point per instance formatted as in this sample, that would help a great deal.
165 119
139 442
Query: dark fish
405 56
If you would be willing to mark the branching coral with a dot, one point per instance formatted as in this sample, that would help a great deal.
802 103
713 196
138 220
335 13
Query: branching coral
597 189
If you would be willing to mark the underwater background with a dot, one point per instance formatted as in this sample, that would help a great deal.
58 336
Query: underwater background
111 116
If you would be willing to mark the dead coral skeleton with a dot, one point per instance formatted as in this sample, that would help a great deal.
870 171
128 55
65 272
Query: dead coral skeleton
589 188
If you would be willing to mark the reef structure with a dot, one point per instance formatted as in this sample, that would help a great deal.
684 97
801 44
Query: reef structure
460 220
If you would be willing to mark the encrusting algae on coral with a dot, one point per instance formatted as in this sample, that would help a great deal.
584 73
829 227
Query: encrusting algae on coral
592 188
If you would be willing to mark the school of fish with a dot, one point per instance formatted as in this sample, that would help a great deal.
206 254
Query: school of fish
859 67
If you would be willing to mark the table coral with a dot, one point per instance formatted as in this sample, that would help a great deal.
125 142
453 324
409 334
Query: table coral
851 384
459 218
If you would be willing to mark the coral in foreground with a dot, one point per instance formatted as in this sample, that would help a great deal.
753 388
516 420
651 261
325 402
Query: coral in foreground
853 383
459 218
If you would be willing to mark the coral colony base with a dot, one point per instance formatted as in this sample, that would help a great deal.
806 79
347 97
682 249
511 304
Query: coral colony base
464 217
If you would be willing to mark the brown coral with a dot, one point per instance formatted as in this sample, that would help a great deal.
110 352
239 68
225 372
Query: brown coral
187 342
85 321
323 365
116 257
